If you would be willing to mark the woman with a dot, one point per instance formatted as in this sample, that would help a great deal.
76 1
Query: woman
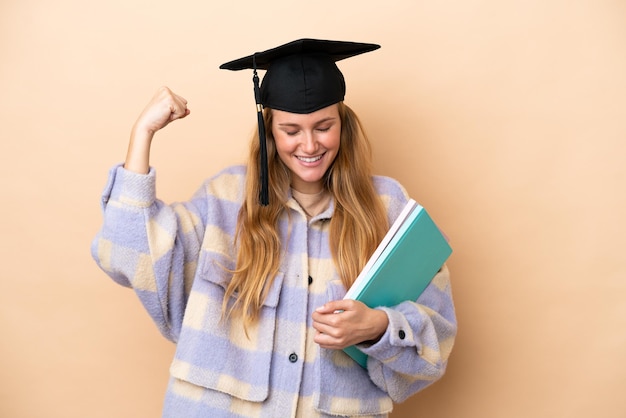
248 276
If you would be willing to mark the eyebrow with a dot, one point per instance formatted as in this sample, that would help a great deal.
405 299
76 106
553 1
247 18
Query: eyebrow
319 122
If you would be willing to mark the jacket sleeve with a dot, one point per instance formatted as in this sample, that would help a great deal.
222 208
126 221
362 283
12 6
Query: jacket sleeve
414 351
150 246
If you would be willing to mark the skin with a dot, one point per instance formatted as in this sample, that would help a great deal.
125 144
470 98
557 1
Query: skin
165 107
307 144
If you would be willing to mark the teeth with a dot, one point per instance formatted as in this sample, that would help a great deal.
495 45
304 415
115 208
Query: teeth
310 160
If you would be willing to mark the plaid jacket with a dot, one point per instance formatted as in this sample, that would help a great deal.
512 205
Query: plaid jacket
176 258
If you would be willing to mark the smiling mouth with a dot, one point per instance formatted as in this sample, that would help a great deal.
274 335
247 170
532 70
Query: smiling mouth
309 159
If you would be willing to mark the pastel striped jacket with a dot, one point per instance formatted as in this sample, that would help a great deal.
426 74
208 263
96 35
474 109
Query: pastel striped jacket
176 257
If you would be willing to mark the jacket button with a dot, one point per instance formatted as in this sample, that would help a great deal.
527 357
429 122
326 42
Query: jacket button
401 334
293 357
310 279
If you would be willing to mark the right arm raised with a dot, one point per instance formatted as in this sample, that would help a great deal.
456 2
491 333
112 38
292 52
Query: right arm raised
144 243
165 107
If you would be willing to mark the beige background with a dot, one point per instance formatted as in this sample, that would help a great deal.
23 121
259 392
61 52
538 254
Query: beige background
506 119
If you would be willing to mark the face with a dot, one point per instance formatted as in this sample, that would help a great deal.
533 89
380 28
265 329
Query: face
307 145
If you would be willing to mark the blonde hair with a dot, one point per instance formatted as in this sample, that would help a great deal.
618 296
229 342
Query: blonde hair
358 224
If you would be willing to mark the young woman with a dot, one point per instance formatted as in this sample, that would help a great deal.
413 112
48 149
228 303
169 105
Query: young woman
248 276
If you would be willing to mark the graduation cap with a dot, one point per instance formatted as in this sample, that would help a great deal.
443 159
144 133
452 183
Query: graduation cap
301 77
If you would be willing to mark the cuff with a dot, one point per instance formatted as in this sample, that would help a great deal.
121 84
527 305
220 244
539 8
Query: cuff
399 335
130 188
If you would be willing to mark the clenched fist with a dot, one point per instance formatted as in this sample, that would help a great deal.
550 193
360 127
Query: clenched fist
165 107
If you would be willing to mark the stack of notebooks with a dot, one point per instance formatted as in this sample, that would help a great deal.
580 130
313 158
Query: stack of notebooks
403 265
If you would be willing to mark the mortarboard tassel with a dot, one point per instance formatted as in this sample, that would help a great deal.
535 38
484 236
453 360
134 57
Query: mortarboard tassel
264 192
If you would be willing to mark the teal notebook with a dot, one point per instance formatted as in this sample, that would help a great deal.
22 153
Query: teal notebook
404 263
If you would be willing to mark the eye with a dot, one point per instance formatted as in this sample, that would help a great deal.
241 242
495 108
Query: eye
290 131
323 129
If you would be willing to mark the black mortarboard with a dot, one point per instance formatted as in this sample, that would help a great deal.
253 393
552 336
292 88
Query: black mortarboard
301 77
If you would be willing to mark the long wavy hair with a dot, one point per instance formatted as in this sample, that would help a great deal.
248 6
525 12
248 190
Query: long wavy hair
357 226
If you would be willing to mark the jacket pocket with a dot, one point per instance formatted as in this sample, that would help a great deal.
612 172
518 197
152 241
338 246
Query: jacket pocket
218 353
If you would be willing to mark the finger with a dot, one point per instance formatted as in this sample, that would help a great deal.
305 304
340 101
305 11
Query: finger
330 318
178 110
330 341
335 306
326 329
324 340
176 103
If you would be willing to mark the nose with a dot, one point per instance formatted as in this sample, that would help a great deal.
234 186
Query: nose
309 143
